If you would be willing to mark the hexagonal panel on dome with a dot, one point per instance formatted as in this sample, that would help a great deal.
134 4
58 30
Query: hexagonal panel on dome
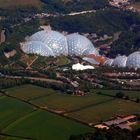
108 62
78 44
133 60
54 40
57 42
37 47
120 61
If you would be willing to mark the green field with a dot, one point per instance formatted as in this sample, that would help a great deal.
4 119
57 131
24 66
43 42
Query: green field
11 110
44 125
83 108
19 119
29 92
107 110
19 3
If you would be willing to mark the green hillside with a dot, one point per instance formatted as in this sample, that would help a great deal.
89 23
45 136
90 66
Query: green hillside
19 3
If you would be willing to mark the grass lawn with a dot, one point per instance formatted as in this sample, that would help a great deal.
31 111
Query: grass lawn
11 110
62 60
43 125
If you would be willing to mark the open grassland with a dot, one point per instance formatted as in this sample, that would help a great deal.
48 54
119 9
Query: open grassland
11 110
44 125
19 3
90 109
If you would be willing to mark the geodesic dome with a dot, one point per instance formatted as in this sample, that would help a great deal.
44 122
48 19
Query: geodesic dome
57 44
36 47
133 60
79 45
120 61
54 40
108 62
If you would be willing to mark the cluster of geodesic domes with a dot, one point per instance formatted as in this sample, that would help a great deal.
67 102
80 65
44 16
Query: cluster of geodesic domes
52 43
132 61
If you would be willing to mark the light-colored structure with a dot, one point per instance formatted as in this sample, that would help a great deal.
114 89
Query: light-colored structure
57 44
79 67
133 60
120 61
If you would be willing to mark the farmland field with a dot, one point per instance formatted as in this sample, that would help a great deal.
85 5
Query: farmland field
83 108
32 92
106 111
19 3
44 125
11 110
23 121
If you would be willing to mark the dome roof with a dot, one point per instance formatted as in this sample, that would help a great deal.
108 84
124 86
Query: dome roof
108 62
57 44
133 60
39 36
120 61
37 47
79 45
54 40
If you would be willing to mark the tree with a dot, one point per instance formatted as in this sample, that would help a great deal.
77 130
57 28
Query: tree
120 94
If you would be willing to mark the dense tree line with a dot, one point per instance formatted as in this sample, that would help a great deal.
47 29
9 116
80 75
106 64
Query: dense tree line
111 134
102 22
128 42
62 6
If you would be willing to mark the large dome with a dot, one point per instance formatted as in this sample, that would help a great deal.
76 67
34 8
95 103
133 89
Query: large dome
37 47
120 61
57 44
133 60
54 40
79 45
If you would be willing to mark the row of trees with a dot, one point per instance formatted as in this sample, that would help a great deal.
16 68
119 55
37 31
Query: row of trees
111 134
8 83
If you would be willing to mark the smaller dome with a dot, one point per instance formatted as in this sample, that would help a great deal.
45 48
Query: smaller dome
108 62
120 61
133 60
79 45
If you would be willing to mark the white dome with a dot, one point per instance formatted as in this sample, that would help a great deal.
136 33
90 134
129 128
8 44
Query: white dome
54 40
57 44
37 47
133 60
108 62
120 61
79 45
